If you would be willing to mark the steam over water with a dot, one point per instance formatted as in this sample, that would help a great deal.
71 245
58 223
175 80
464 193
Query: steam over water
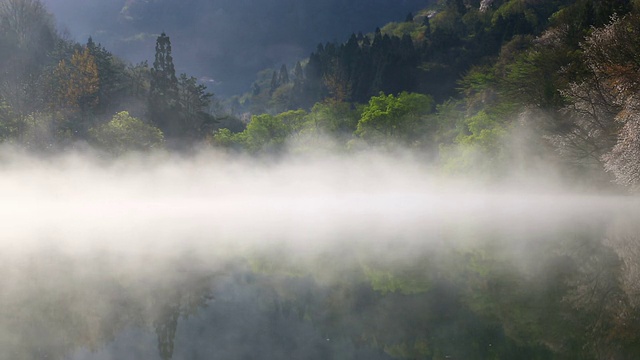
166 256
78 203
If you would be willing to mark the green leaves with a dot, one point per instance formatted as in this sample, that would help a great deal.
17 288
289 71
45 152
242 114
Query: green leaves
389 119
126 133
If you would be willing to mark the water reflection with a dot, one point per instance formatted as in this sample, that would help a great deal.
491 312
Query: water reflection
473 293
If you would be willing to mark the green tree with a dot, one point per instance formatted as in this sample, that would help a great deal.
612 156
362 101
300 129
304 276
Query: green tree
265 133
139 78
274 82
194 102
163 105
27 38
283 75
126 133
112 76
335 119
298 73
389 119
8 123
479 147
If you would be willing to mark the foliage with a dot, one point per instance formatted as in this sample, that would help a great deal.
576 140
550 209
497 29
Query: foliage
193 102
387 282
603 103
297 128
454 83
8 124
264 133
163 92
27 36
113 79
125 133
40 132
338 119
395 119
622 160
176 105
78 82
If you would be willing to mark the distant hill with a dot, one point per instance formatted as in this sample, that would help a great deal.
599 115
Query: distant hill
226 40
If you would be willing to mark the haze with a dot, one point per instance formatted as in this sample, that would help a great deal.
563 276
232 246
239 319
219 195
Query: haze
457 185
212 200
227 41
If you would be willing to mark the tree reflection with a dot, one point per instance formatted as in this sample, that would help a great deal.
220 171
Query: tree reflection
68 302
495 295
166 326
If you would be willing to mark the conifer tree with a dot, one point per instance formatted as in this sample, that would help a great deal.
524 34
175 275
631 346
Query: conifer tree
111 73
298 73
409 17
283 76
274 82
163 97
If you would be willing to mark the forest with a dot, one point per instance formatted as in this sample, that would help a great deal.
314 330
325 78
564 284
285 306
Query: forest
456 81
490 90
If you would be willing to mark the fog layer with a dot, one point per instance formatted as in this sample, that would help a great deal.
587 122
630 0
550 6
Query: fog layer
284 258
212 201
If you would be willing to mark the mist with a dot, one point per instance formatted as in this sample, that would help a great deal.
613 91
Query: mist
213 199
457 185
226 41
245 249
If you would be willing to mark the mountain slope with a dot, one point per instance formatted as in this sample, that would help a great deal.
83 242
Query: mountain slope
228 41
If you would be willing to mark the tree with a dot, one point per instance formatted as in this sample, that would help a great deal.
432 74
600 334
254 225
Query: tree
274 82
281 99
163 97
389 119
166 326
126 133
265 133
111 73
409 17
283 76
335 119
623 159
8 123
604 105
194 102
74 86
336 81
298 73
27 36
77 81
139 77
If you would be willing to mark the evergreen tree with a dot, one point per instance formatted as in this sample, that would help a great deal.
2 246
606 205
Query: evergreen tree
427 27
283 76
255 89
409 17
298 73
274 82
163 97
194 101
111 73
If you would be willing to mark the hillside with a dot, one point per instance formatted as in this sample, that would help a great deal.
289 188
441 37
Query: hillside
500 139
456 81
227 41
